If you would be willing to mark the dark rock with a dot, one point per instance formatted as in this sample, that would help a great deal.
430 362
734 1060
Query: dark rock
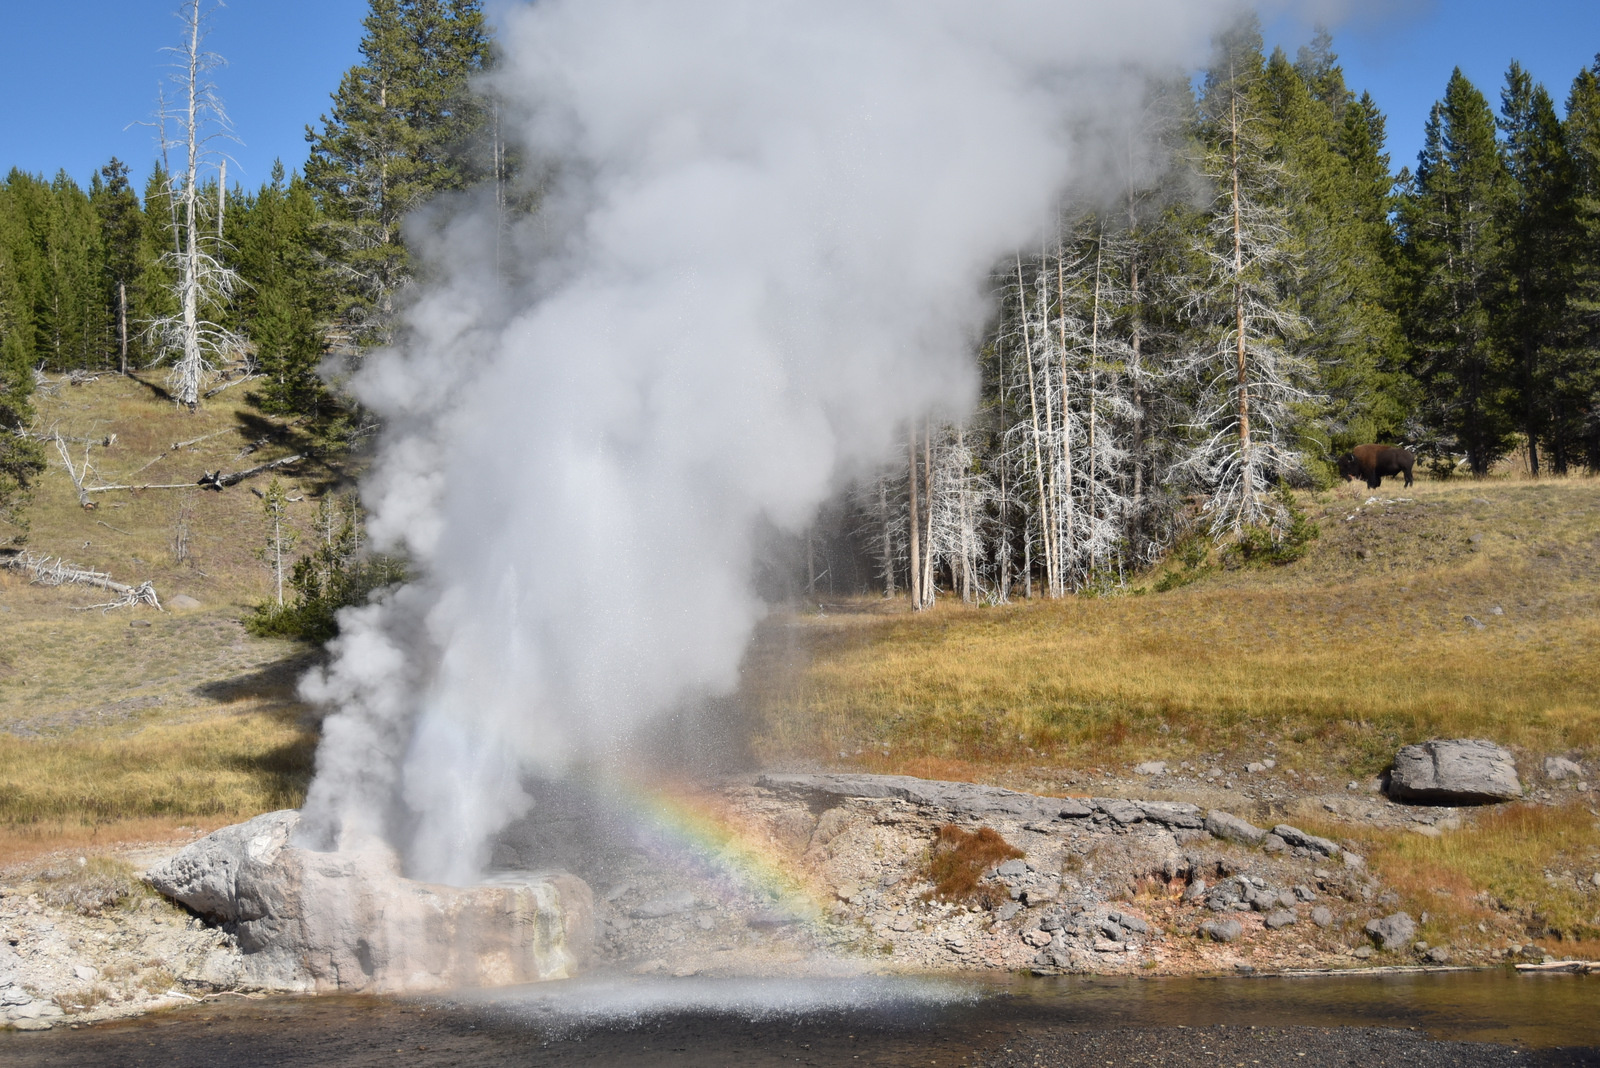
1222 930
1223 896
1392 932
1461 771
1130 923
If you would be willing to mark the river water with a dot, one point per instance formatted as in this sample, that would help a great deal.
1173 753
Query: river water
1477 1018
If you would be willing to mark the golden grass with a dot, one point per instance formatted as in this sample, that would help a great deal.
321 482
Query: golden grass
1521 871
225 767
1345 657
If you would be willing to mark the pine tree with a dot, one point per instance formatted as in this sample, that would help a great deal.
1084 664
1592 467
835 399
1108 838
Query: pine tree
1580 381
121 241
1451 221
1540 246
272 233
404 127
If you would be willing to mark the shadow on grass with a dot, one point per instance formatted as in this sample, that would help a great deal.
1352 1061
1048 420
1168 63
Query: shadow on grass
276 682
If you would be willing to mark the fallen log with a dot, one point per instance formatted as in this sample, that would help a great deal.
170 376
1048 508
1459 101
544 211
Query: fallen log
47 571
1591 967
217 480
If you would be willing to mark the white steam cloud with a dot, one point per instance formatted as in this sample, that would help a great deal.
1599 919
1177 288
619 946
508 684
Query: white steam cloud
764 247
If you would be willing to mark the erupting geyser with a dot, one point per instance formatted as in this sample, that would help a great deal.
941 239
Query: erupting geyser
762 244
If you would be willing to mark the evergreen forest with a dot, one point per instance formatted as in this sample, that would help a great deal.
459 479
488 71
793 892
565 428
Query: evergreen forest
1264 291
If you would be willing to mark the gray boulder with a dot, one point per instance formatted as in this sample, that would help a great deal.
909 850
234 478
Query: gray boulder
1455 772
1559 768
1222 930
1296 837
1280 918
1392 932
350 922
1228 826
1322 916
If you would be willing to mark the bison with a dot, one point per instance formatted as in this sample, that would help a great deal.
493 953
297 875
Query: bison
1373 462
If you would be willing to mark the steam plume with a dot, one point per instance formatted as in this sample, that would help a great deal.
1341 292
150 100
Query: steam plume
763 247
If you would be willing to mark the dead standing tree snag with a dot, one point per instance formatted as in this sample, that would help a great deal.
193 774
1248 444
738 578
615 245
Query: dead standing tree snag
203 283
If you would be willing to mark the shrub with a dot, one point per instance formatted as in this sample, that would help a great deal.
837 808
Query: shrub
958 860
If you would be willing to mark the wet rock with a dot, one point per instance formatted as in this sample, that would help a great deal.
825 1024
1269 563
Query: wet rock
1322 916
310 921
1392 932
1230 827
1459 771
1296 837
672 904
1222 930
1280 918
770 919
1559 768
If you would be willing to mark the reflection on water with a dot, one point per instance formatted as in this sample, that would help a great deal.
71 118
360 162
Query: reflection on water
1539 1011
622 1022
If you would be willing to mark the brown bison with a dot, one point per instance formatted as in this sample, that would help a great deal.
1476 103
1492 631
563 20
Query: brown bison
1373 462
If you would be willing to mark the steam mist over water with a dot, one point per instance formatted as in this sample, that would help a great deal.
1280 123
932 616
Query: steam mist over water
764 245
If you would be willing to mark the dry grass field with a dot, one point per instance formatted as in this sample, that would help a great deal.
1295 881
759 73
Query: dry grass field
133 721
1465 609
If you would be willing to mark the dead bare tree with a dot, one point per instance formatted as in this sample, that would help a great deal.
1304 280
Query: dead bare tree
203 282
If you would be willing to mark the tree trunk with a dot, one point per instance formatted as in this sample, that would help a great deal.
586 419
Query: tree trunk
928 588
122 324
1038 458
916 543
1245 457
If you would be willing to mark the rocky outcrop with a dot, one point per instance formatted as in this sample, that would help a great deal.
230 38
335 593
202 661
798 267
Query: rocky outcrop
1230 827
1454 772
324 922
986 802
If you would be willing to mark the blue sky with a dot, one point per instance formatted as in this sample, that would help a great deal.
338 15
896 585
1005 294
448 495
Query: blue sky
75 73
